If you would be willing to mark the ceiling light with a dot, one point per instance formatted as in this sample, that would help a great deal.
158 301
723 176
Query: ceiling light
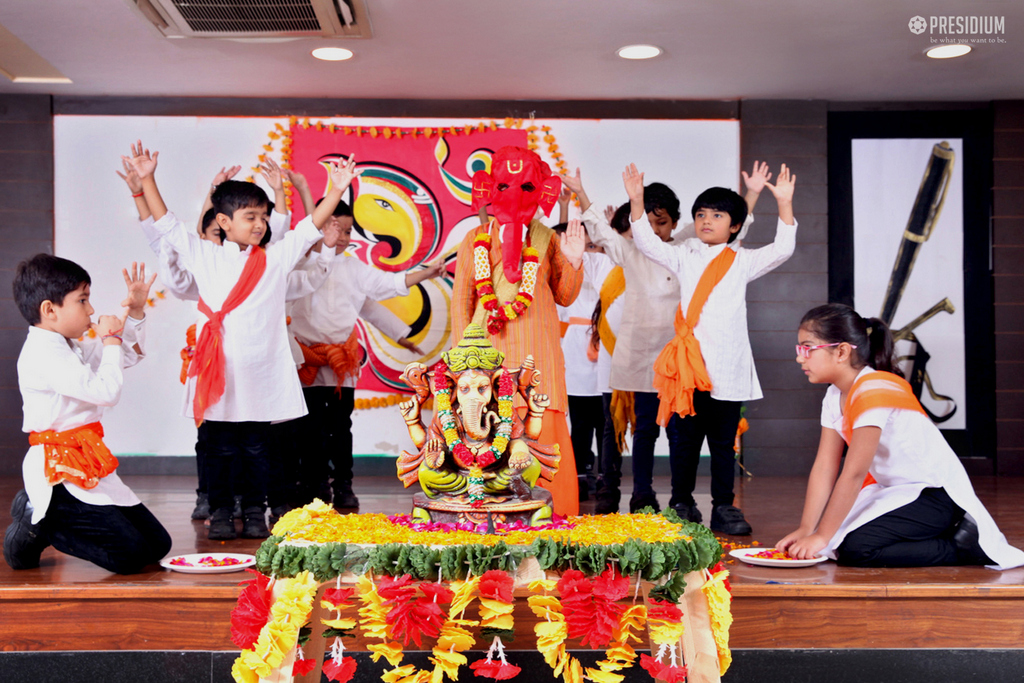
332 54
638 51
948 51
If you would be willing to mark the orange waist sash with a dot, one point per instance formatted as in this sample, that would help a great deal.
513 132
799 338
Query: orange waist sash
75 455
679 369
188 351
343 359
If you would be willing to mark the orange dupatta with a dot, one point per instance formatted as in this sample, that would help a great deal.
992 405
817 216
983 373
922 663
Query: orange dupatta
623 407
76 455
876 390
679 369
343 359
208 363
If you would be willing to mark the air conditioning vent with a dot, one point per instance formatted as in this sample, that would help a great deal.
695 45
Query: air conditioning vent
257 18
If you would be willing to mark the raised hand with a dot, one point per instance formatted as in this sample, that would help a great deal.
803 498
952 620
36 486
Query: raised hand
296 178
633 180
609 213
564 197
138 289
332 234
141 161
537 403
130 176
574 242
759 175
343 172
573 183
434 453
107 325
784 186
224 174
272 173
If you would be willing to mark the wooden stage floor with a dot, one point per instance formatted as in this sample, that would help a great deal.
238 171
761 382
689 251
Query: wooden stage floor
825 606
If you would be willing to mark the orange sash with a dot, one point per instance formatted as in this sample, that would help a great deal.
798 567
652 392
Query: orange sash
75 455
343 359
188 351
877 390
208 363
679 369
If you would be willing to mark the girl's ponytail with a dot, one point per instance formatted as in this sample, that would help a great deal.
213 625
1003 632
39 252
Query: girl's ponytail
881 351
834 323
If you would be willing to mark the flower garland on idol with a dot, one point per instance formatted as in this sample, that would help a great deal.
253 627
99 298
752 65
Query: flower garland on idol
503 312
463 456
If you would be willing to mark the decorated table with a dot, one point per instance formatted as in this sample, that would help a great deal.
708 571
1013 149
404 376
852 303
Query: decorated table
612 583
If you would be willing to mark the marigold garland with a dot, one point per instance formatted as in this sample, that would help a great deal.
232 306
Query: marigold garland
718 592
503 312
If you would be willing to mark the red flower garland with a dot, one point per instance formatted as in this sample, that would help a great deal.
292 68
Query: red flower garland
252 611
663 672
590 608
411 617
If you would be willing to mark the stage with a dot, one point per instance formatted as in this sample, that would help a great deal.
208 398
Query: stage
68 605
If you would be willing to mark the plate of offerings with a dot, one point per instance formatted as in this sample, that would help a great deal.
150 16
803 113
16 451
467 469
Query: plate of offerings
208 563
772 557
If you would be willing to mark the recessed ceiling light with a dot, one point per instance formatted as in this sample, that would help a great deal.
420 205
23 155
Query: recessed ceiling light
638 51
948 51
332 54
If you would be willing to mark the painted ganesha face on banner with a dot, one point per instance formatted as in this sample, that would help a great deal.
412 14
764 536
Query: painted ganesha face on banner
412 204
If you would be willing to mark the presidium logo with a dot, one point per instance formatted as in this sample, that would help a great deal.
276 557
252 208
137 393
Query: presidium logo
960 29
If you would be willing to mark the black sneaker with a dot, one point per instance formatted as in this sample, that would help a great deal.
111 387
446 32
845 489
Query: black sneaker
237 512
255 523
24 541
222 526
689 512
344 498
729 520
608 501
202 509
968 549
644 500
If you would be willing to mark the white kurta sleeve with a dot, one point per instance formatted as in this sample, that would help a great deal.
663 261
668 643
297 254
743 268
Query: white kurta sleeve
384 320
309 275
604 235
758 262
280 224
650 245
97 380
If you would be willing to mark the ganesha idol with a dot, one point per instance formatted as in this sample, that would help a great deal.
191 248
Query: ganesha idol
478 459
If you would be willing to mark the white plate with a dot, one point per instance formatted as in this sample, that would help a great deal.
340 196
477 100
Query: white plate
746 555
196 568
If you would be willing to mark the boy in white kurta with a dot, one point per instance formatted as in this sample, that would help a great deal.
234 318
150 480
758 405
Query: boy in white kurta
73 498
242 377
324 324
726 375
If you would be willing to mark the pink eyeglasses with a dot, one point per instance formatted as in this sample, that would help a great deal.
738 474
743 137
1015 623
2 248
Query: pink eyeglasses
805 351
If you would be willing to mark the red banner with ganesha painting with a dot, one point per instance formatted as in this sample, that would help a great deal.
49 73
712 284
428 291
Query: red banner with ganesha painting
411 205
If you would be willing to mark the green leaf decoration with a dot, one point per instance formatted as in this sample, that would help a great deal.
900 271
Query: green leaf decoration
656 566
507 635
672 589
546 552
453 563
265 554
338 633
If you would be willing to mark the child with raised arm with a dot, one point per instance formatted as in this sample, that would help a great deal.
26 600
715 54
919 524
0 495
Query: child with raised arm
324 324
242 376
650 299
901 497
706 371
73 498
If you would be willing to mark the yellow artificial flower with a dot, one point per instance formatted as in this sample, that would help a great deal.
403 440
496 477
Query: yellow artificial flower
543 585
340 624
389 651
573 672
719 601
405 674
242 673
545 606
464 591
454 637
633 618
448 662
601 676
664 631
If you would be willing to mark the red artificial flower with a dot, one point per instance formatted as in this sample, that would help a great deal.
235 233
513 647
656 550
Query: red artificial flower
662 672
301 667
496 585
494 326
437 592
411 617
666 611
505 385
485 459
252 611
340 672
394 588
611 586
338 596
573 586
496 669
463 456
440 376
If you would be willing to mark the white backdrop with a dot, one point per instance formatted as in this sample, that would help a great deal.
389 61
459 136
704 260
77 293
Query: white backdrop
886 177
96 225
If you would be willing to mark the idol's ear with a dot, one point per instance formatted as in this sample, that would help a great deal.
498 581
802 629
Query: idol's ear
483 188
549 191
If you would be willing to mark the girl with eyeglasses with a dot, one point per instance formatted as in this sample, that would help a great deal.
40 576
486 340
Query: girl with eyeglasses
901 498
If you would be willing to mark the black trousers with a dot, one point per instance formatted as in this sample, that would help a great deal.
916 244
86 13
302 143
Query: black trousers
241 445
610 458
283 453
587 417
919 534
717 421
645 435
325 437
123 540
